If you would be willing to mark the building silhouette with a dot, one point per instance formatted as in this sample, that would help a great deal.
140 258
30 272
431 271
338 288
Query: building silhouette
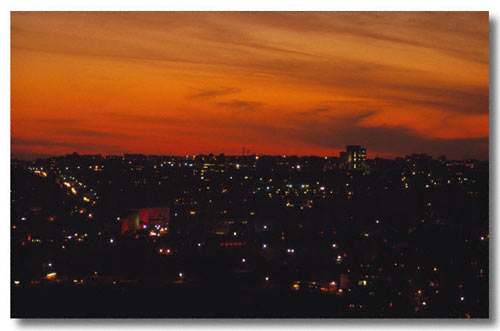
354 157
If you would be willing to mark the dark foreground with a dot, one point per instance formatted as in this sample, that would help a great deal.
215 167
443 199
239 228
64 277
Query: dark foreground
198 301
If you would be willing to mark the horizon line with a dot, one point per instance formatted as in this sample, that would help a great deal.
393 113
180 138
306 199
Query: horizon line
43 156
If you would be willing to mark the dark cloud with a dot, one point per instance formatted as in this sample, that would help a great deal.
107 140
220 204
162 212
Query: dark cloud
240 104
394 140
209 93
315 111
58 121
29 156
379 82
15 142
93 133
458 100
146 119
335 132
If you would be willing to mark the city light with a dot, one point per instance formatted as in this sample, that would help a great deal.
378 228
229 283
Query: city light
51 275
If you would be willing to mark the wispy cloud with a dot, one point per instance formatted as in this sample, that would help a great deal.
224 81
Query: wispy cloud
209 93
240 104
15 142
315 111
94 133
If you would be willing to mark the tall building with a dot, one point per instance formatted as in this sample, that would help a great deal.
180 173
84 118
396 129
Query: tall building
354 157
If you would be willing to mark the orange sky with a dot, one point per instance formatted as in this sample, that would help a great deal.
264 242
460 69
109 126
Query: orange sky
278 83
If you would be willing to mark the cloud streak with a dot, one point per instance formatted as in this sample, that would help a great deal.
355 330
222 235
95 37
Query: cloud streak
210 93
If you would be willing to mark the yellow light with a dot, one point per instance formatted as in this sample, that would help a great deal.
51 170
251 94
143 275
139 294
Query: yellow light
192 212
17 282
73 190
51 275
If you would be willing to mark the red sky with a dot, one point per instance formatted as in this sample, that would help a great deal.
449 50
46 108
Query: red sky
278 83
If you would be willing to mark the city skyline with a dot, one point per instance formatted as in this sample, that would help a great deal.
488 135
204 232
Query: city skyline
337 156
277 82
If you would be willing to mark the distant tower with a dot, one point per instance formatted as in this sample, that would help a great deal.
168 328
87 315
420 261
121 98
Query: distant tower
354 157
243 151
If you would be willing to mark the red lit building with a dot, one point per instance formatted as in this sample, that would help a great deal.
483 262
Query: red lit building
146 218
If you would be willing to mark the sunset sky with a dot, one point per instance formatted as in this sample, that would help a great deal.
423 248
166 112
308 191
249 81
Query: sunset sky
304 83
